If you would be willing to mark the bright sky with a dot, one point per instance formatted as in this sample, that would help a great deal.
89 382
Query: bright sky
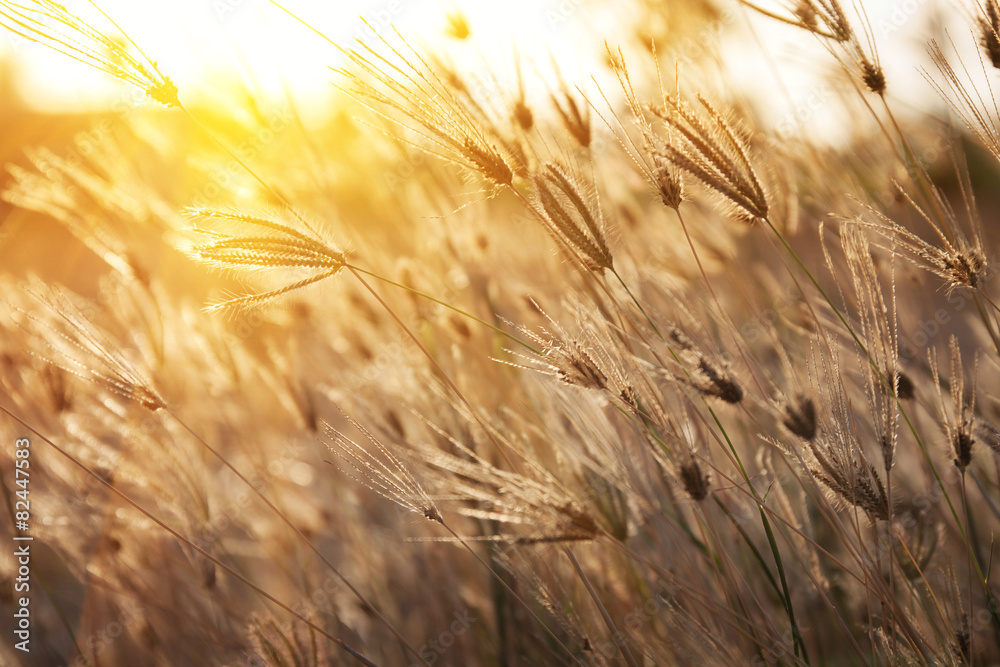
190 37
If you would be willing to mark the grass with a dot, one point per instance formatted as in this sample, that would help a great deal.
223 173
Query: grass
664 385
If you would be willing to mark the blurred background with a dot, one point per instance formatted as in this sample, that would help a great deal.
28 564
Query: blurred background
262 82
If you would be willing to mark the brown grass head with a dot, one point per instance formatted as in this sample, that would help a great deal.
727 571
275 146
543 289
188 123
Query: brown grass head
570 216
957 260
957 423
799 417
989 30
708 147
380 470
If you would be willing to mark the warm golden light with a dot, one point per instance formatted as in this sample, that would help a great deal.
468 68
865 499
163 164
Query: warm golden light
597 332
202 43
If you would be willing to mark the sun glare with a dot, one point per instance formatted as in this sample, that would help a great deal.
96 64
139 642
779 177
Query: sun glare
203 44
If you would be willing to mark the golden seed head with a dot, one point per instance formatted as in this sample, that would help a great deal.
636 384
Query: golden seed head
965 267
458 27
489 162
164 92
668 182
522 114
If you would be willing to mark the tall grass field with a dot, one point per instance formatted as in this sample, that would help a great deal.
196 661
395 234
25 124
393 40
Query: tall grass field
673 343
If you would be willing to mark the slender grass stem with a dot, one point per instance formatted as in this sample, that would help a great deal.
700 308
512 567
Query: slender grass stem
94 475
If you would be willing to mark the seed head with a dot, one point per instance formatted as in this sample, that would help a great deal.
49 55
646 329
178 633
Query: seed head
959 422
51 24
571 218
872 75
458 27
799 417
80 348
381 470
717 382
488 161
575 116
695 480
989 30
522 114
904 386
264 240
668 181
708 147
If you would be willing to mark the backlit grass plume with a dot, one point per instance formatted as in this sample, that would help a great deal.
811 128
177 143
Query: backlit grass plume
707 146
51 24
715 445
954 258
78 347
263 241
432 105
571 217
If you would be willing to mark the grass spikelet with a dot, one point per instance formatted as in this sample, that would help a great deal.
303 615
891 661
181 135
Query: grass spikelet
430 107
382 471
827 19
824 18
836 458
490 164
80 348
647 154
575 116
872 74
536 511
799 417
579 361
989 30
877 315
708 147
571 219
274 244
977 109
852 479
958 423
958 261
458 26
832 16
51 24
695 479
709 376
